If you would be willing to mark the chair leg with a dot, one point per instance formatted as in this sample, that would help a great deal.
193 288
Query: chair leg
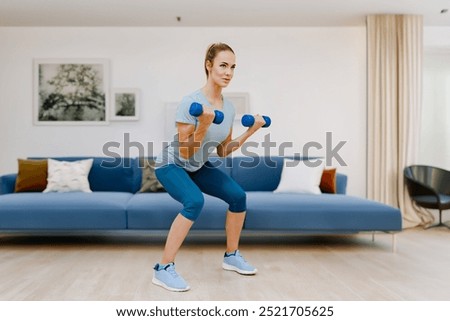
440 222
440 218
434 225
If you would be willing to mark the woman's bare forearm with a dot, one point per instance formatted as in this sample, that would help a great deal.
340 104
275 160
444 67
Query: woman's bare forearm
236 143
189 144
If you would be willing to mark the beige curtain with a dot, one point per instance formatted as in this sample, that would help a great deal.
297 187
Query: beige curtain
394 105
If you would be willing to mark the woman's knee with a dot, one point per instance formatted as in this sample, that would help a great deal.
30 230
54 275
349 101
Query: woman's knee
193 207
239 201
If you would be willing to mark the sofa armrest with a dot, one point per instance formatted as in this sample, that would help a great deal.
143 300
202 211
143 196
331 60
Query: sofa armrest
341 183
7 183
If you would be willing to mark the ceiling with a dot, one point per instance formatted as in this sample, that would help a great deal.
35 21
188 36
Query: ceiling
211 13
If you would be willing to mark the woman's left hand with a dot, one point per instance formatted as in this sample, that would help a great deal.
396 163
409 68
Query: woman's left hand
259 122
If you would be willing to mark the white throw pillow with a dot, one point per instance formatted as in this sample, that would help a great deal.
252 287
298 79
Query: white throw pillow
68 176
298 177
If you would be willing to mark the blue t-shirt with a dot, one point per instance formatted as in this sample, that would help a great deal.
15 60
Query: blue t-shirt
215 134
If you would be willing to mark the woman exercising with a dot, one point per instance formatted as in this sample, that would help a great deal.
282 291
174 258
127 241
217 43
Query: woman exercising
184 171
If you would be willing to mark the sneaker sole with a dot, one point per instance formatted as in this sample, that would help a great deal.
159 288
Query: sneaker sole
165 286
229 267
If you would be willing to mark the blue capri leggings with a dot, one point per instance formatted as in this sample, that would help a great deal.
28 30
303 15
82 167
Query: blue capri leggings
187 187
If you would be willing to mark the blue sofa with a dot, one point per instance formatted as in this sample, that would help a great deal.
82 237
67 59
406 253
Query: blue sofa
115 203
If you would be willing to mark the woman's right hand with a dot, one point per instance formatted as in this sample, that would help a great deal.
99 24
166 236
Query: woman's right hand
207 116
190 136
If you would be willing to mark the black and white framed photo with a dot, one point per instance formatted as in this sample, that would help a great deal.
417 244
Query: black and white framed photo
125 104
240 102
70 91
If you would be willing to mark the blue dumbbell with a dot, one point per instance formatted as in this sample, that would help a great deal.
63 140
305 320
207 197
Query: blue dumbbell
249 120
196 110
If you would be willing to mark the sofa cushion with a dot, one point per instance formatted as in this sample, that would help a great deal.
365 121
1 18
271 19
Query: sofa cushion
341 183
299 178
150 183
257 173
328 181
158 210
50 211
31 175
68 176
325 212
115 174
7 183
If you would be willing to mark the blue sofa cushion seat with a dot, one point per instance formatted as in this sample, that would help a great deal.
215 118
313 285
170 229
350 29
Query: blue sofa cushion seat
75 210
326 212
158 210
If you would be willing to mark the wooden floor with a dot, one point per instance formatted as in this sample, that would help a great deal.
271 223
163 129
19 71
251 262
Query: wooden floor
119 267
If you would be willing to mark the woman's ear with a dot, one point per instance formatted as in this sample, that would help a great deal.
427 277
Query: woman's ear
208 66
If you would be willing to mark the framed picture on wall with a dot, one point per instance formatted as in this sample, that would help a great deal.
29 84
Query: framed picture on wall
70 91
125 104
240 102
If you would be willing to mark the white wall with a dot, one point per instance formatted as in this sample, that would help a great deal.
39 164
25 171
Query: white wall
309 80
435 127
436 37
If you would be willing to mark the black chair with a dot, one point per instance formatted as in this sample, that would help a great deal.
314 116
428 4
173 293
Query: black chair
429 187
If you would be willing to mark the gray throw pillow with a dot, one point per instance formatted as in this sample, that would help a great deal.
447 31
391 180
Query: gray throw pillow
150 183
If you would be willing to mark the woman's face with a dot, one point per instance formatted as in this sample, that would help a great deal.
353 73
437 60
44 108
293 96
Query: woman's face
222 70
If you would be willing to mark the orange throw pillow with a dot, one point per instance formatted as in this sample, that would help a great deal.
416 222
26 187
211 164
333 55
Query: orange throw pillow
328 181
32 175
